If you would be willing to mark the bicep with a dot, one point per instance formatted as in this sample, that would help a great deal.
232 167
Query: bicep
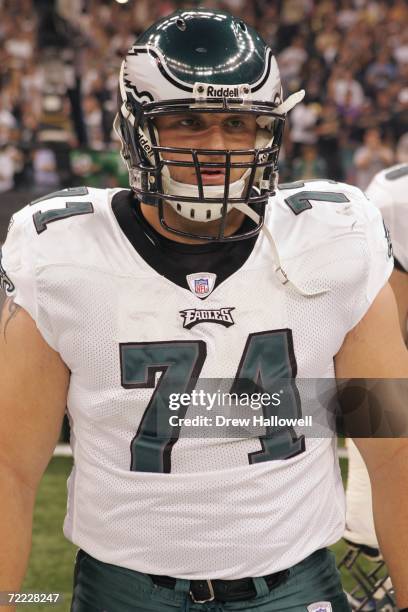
381 453
372 372
399 285
374 348
34 384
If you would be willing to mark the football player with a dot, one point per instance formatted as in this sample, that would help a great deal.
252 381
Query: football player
122 301
388 190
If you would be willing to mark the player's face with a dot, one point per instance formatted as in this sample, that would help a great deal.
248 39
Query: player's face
203 131
207 131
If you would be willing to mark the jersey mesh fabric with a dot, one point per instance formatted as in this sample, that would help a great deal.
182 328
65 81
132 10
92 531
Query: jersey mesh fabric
215 515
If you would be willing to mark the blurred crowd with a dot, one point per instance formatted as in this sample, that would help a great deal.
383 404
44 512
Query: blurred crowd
59 62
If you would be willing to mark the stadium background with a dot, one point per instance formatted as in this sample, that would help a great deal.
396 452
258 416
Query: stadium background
59 61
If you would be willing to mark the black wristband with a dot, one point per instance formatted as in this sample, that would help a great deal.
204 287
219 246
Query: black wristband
403 610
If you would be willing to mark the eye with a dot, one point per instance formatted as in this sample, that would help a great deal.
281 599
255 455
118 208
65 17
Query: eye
192 123
235 123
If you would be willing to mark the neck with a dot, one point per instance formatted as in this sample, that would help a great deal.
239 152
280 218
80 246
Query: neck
234 222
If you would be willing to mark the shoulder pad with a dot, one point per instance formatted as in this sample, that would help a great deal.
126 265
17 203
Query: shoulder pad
328 233
300 196
50 230
309 213
64 204
55 216
57 224
389 187
68 228
388 191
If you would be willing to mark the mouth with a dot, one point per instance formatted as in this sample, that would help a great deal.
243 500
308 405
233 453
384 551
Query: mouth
213 176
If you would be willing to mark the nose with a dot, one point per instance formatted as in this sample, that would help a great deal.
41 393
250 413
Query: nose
214 139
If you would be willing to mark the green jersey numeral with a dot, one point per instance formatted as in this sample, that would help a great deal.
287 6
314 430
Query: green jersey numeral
180 364
268 362
299 202
72 209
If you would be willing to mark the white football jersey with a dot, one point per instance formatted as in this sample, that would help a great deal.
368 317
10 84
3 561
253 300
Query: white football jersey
208 506
359 516
389 191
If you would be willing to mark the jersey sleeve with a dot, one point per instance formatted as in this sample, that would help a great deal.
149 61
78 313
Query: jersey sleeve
46 239
18 271
335 243
18 279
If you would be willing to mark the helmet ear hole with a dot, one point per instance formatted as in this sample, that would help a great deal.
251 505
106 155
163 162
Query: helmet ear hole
181 24
242 25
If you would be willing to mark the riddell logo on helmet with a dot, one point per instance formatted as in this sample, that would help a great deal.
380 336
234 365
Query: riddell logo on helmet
222 92
144 143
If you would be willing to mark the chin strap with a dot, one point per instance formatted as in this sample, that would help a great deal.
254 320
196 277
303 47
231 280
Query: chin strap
279 271
204 212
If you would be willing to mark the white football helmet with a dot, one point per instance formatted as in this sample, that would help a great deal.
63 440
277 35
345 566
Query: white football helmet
200 61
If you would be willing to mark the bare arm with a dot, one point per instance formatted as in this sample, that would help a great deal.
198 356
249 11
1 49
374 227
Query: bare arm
399 284
33 383
375 349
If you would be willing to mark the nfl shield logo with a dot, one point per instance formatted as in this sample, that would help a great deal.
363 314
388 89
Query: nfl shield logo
201 283
201 286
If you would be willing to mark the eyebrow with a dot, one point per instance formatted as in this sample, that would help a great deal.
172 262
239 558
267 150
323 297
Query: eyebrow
201 116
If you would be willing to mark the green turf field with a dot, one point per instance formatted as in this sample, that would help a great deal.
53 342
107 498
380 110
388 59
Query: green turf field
52 557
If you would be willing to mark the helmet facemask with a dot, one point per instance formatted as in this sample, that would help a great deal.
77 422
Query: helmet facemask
150 170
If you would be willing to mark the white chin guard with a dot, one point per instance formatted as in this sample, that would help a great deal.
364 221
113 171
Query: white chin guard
201 211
